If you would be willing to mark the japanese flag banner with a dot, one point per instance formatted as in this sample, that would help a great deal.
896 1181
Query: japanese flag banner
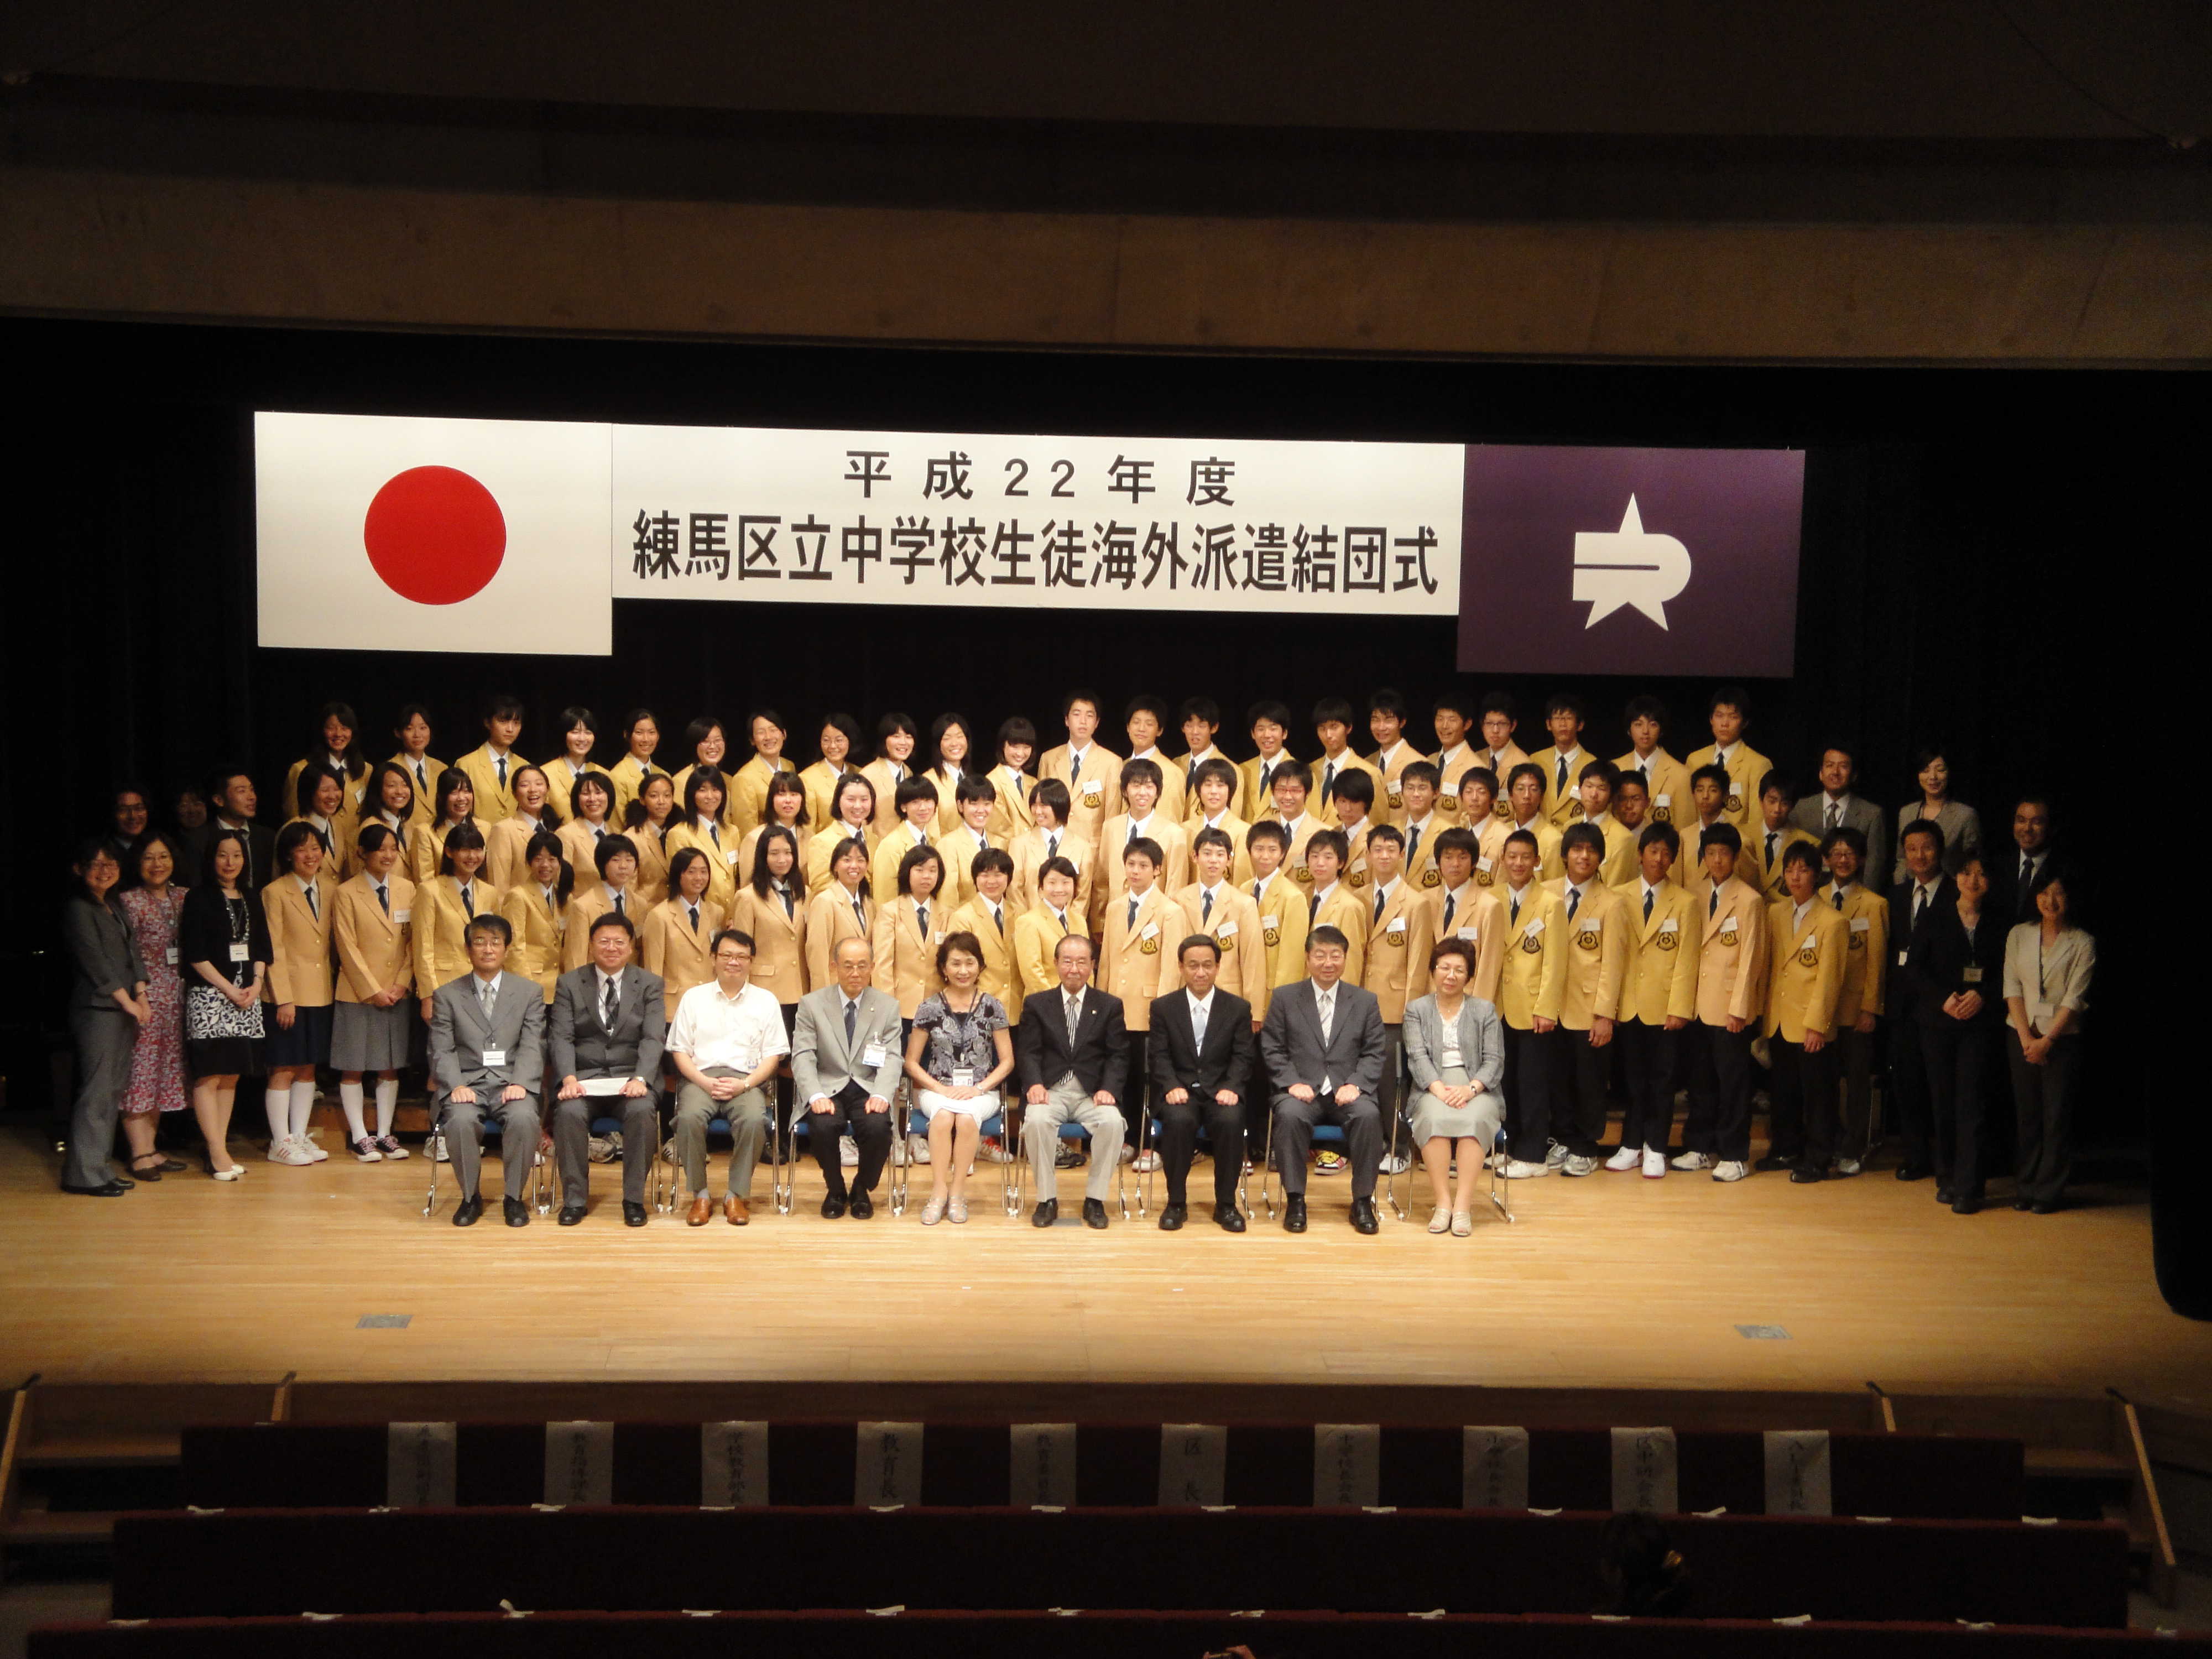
377 532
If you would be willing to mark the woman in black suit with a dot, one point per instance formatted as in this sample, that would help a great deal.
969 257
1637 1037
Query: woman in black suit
107 1005
1958 961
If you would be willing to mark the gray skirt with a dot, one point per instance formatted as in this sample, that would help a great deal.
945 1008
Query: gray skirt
1479 1118
367 1039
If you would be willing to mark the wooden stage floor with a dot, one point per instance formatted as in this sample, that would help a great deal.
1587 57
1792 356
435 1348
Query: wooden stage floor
1607 1282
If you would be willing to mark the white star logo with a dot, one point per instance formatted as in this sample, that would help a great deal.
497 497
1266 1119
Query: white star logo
1628 567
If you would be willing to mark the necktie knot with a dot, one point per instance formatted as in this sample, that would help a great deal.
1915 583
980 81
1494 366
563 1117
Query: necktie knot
1648 897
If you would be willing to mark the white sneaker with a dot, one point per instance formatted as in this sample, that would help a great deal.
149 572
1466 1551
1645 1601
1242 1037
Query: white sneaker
315 1154
1848 1166
438 1149
1518 1169
917 1148
1735 1169
1576 1165
365 1151
1692 1161
1626 1159
392 1151
1394 1163
1490 1160
1128 1153
288 1151
1147 1161
995 1151
1655 1166
848 1152
1555 1155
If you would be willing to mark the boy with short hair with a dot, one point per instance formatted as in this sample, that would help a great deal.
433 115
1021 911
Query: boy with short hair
1422 817
1396 971
1051 839
1353 806
1807 942
1525 811
1477 794
1732 950
1136 962
1666 781
1281 904
1709 792
1564 761
1387 715
1658 996
1594 786
1200 720
1143 818
1214 807
1728 712
1591 923
1463 908
1532 981
1333 904
1454 715
1866 915
1271 728
1226 913
492 764
1089 769
1500 714
1332 719
1778 797
1291 784
1144 718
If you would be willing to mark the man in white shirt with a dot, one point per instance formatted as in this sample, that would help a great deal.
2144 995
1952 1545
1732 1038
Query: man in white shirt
727 1041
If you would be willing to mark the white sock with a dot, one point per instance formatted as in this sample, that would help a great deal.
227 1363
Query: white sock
349 1097
387 1103
303 1107
278 1103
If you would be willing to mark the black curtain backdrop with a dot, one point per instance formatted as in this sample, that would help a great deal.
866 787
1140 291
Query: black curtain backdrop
1978 545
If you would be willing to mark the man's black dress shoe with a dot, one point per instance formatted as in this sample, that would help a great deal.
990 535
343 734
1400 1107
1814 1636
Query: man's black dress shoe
1772 1161
2023 1204
2047 1207
471 1207
516 1211
1294 1213
1805 1174
1229 1217
833 1206
1965 1205
571 1214
1363 1216
1913 1172
1943 1194
861 1207
1094 1212
1173 1217
1047 1212
109 1188
633 1214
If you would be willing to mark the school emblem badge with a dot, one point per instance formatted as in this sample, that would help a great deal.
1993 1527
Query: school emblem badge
1357 878
1485 879
1149 947
1858 941
1810 956
1501 808
1735 802
1667 941
1574 809
1588 940
1302 876
1271 930
1430 877
1663 815
1531 945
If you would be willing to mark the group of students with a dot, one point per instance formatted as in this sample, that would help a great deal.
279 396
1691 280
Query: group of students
1645 919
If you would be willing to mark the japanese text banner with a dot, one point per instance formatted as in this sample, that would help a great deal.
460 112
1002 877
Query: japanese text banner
1260 526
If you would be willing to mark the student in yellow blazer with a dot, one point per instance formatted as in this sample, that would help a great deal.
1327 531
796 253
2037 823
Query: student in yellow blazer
1463 909
1052 839
1294 811
1396 963
839 737
1143 818
413 756
506 844
579 735
1708 788
965 833
1809 944
297 904
1201 725
591 805
1593 922
537 910
1226 913
1354 815
1091 771
916 826
852 817
1729 712
618 861
785 807
1563 761
907 929
1281 902
989 914
749 785
1038 930
1332 719
1387 716
1453 715
1010 810
1497 752
707 827
1531 987
1330 903
1145 719
1270 721
392 802
1732 951
1596 786
1776 834
1136 962
334 830
949 757
640 738
333 747
676 941
453 803
1666 780
897 736
491 765
1866 922
1658 1000
839 909
372 1015
772 906
444 906
710 752
1215 798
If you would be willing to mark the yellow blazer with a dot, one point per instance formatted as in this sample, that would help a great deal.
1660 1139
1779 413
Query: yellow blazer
1113 878
720 846
1000 977
821 781
1745 767
1097 797
779 943
651 882
1771 883
1347 912
729 817
561 780
1448 777
1866 924
1235 927
538 934
1619 864
814 855
1532 980
1321 804
1192 806
298 941
748 793
1398 941
1294 856
1562 807
506 844
1171 805
1659 982
584 909
1805 971
425 787
683 957
494 800
1252 802
829 923
1478 918
340 856
957 848
1282 908
878 773
1390 794
1420 870
1667 782
581 848
1010 813
741 873
1137 963
906 955
1356 874
1689 868
1029 854
1490 853
1037 933
426 849
890 852
1597 954
357 788
1732 949
1239 833
373 947
629 775
441 927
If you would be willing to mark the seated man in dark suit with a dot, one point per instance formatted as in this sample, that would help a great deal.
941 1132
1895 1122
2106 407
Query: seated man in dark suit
1201 1055
1323 1045
607 1021
1071 1058
488 1057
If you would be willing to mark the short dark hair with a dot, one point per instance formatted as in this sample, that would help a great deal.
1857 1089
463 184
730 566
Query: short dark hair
911 789
614 919
845 725
1526 769
1146 847
1274 710
1712 772
1052 793
600 781
1722 834
1453 946
1801 852
1733 696
1145 703
1339 709
1327 933
1645 708
1202 708
1389 832
1080 694
1457 839
1563 702
490 921
893 723
1291 772
1775 782
1212 837
1583 835
502 705
1140 771
1266 829
736 935
1599 768
1422 772
1058 864
1353 784
612 847
992 858
1386 700
371 836
289 840
1016 730
973 785
914 859
1501 702
1660 835
1844 835
1457 703
1193 942
1334 841
1927 827
1215 768
575 716
962 940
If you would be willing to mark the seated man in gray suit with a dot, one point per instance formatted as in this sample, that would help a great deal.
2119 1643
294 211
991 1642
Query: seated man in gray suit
845 1065
607 1021
1322 1046
1071 1058
488 1055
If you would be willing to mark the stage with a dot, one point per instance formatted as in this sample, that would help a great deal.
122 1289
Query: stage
1606 1283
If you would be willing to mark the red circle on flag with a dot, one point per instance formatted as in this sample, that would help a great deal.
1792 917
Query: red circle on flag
434 535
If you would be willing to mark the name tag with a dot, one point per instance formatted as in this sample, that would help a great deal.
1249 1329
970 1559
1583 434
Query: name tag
1151 930
1471 935
730 858
1902 956
964 1077
1861 925
1663 800
239 953
1670 926
1973 976
872 1054
169 956
1483 864
494 1056
1394 788
1395 932
1094 792
1227 930
402 917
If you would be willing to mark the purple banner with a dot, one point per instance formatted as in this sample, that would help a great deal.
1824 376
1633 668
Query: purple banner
1581 561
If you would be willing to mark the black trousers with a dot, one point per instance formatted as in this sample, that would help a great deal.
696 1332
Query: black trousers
1803 1127
1531 1065
1908 1087
1175 1135
1647 1068
848 1114
1960 1057
1581 1080
2043 1098
1719 1123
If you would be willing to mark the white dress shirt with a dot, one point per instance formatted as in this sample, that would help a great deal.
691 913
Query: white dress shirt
739 1032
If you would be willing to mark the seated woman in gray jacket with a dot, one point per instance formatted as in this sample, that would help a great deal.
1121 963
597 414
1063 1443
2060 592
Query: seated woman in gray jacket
1457 1056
